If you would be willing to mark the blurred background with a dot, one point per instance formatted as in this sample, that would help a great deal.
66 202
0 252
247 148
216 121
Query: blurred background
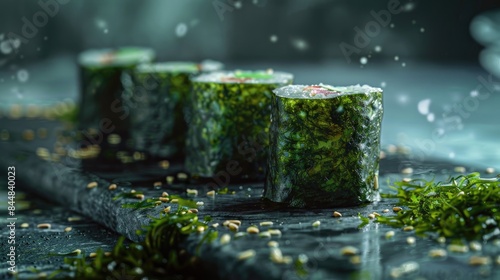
433 59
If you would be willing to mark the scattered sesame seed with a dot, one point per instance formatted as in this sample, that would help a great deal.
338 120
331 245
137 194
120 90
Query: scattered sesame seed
192 192
44 226
211 193
396 209
441 239
182 176
252 229
25 225
77 252
157 184
164 194
349 251
438 253
43 153
215 225
114 139
490 170
411 240
163 199
240 234
382 155
272 244
28 135
376 214
407 170
200 229
389 234
404 269
74 219
407 180
458 248
91 185
68 229
266 223
41 275
175 200
132 191
246 254
475 246
408 228
194 210
237 222
112 187
158 202
385 210
479 260
107 254
165 164
167 209
371 216
375 182
233 227
459 169
276 256
337 214
316 224
93 255
391 149
276 232
225 239
139 196
200 203
170 179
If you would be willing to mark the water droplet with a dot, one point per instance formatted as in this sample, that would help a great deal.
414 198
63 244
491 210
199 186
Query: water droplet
5 47
396 58
474 93
383 84
403 64
23 75
300 44
238 4
273 38
403 98
363 60
423 106
430 117
181 29
378 48
105 31
422 30
451 155
392 25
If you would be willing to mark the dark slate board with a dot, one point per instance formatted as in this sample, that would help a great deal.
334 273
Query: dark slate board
66 186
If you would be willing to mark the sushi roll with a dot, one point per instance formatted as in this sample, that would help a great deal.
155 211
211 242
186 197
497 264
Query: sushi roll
324 145
228 131
102 112
156 98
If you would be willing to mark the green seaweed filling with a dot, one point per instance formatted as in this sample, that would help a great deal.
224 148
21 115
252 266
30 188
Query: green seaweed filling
324 151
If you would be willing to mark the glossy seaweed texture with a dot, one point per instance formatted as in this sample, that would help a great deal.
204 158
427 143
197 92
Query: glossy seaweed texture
228 132
324 152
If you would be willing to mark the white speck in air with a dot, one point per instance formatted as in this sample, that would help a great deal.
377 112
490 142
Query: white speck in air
378 48
383 84
408 7
392 25
273 38
422 30
403 64
403 98
451 155
300 44
396 58
45 38
474 93
105 31
23 75
5 47
423 106
363 60
181 29
430 117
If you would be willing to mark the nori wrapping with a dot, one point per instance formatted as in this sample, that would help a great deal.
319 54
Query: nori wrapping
156 98
324 145
102 111
228 132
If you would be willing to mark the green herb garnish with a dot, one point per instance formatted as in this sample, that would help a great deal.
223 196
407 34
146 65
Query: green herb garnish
466 206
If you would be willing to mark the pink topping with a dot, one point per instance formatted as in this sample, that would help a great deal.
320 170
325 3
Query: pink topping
320 90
